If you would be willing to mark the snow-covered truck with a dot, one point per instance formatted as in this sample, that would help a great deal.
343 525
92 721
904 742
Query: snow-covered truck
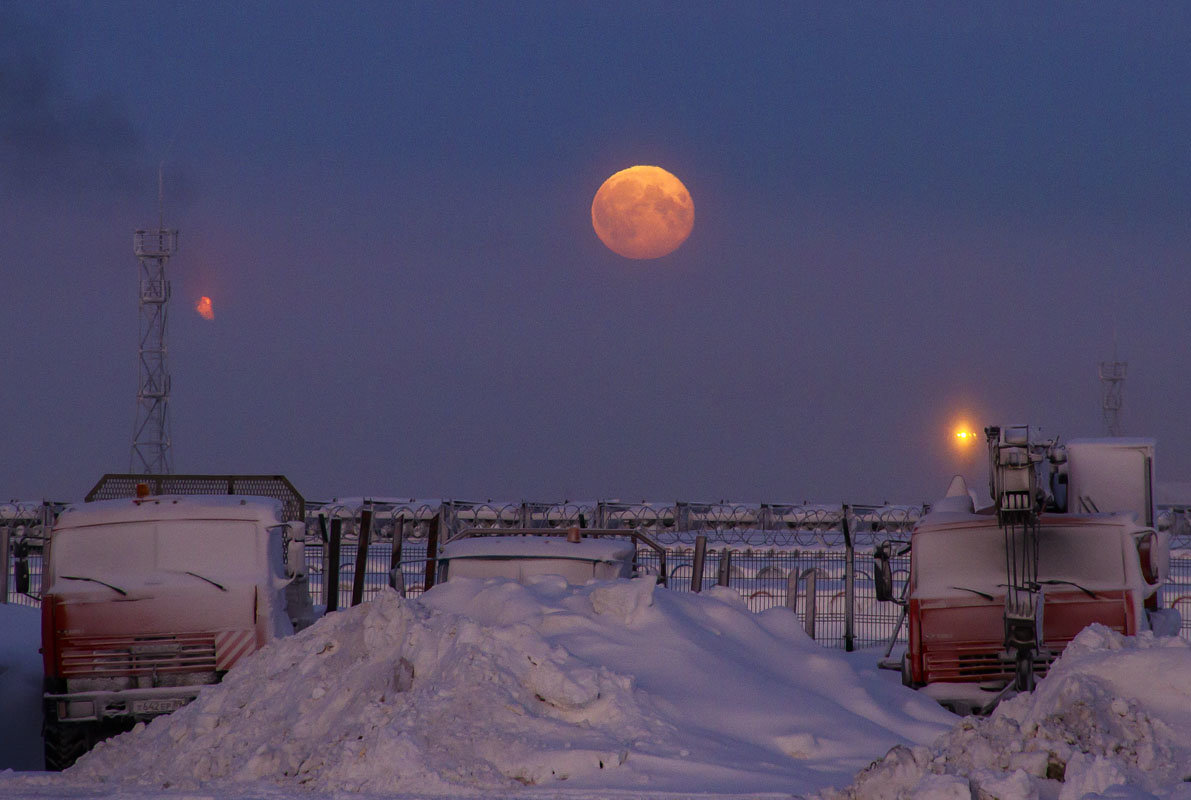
995 595
148 598
577 555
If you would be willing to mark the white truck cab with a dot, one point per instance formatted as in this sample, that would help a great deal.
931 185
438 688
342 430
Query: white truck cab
149 598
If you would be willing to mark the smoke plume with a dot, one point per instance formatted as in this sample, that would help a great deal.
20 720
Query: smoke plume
50 137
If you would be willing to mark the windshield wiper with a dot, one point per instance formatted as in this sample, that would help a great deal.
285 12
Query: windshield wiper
985 595
1083 589
94 580
218 586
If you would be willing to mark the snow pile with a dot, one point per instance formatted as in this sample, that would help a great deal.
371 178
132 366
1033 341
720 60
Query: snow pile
1113 716
484 685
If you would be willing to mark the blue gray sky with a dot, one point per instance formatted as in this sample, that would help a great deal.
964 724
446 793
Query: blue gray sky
906 215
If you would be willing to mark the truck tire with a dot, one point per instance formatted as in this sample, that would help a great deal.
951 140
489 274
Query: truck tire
65 743
907 672
1024 673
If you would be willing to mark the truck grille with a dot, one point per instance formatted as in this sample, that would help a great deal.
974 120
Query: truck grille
91 656
977 662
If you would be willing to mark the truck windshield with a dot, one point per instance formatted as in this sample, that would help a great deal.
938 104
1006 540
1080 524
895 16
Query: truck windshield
974 559
216 550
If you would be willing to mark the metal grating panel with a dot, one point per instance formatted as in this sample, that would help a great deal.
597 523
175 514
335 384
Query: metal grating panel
978 662
116 485
104 656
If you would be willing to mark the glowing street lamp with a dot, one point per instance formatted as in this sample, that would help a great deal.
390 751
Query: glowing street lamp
964 441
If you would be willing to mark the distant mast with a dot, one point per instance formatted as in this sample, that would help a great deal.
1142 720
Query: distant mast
151 431
1112 377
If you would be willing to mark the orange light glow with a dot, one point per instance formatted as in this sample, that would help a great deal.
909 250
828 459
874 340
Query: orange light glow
965 436
642 212
203 307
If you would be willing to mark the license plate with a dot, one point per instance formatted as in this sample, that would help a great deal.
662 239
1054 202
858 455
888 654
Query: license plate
162 706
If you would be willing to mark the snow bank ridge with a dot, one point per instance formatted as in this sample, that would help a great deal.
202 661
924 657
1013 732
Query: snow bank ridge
1113 712
492 684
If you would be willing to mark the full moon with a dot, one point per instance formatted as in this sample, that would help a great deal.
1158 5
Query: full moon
642 212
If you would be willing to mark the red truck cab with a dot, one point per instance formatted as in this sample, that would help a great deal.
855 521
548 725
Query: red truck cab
994 596
148 599
1090 570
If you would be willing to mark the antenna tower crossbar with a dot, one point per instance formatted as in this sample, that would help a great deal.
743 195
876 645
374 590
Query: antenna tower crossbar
1112 376
151 432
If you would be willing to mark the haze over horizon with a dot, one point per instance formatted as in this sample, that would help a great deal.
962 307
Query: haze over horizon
907 218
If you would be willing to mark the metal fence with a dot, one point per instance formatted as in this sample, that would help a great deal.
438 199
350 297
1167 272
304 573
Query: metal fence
823 554
1176 592
24 528
763 565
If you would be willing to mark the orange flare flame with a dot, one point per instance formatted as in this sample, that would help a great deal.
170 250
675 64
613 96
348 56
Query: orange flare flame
203 307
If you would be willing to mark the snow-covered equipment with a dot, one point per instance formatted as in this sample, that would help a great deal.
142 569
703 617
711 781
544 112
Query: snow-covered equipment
994 595
150 597
1013 478
577 554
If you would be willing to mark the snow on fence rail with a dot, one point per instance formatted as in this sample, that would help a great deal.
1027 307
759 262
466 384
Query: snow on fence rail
743 524
756 549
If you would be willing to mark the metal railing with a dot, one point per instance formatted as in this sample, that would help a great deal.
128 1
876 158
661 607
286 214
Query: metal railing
844 605
24 530
357 549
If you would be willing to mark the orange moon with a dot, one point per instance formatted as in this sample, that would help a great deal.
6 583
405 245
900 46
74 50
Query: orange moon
642 212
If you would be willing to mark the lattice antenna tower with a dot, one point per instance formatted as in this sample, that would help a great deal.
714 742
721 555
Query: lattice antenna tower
1112 378
151 431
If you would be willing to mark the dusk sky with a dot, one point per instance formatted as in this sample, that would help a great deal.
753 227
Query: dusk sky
906 216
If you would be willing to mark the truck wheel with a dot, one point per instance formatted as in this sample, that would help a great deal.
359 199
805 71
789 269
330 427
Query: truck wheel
907 672
1025 671
64 744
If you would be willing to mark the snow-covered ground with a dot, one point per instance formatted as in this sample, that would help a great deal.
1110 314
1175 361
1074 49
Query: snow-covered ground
20 688
625 690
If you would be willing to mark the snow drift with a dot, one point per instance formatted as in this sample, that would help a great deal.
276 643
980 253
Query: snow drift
1113 716
493 684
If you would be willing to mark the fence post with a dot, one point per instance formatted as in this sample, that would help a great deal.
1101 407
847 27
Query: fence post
808 575
431 552
331 570
395 557
20 567
725 568
849 583
811 575
5 560
700 559
362 556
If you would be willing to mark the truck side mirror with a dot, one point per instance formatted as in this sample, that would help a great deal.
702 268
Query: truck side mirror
1153 552
295 549
883 573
